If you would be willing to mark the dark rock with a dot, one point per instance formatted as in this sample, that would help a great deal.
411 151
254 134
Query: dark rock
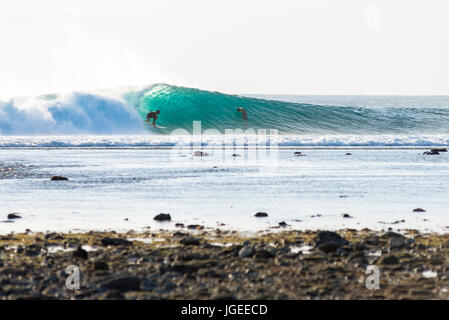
328 247
112 295
80 253
179 225
298 154
391 234
397 242
388 260
436 261
419 210
14 216
58 178
372 240
348 154
246 252
100 265
190 241
329 236
346 215
106 241
261 214
358 257
32 250
438 150
195 227
264 254
236 155
53 236
283 224
394 222
200 154
162 217
223 297
180 234
180 268
359 247
122 284
432 152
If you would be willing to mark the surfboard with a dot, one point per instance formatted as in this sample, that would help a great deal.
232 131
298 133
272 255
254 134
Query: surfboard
157 127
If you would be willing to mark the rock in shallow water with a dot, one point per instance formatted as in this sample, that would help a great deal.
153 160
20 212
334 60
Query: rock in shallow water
14 216
58 178
200 154
162 217
261 214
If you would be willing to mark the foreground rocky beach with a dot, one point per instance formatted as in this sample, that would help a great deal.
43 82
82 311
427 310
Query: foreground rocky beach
197 263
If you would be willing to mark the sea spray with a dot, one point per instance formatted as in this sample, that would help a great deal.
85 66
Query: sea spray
73 114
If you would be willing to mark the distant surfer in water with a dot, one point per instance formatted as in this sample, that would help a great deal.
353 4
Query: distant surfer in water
154 115
244 115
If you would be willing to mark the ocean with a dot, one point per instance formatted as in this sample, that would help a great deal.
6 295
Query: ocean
360 155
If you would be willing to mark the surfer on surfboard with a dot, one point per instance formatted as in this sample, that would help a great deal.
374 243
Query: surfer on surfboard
154 115
244 115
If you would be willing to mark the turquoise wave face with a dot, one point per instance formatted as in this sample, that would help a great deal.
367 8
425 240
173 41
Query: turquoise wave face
181 106
122 111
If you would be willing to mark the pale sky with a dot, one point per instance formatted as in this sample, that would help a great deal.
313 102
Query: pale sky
233 46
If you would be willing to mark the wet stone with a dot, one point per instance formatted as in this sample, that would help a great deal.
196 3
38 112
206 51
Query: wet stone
58 178
106 241
162 217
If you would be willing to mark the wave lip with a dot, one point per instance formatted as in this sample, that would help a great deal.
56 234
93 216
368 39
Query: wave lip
136 141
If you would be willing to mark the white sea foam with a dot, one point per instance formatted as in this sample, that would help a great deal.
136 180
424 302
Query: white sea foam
148 140
76 113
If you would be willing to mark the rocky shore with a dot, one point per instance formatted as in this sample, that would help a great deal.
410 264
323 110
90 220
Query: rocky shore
195 263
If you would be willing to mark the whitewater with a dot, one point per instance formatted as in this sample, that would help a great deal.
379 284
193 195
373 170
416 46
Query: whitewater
114 118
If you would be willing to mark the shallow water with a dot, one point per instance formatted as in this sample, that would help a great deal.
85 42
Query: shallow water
107 186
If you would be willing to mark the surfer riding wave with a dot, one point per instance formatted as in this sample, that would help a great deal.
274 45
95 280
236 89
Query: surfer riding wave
153 115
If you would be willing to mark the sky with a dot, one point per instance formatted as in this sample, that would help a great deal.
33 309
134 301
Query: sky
233 46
